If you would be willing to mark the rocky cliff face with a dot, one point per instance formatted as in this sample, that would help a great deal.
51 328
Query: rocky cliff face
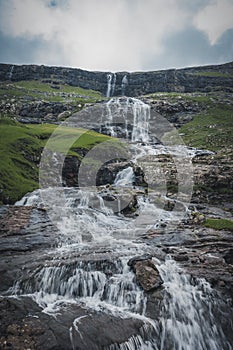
203 79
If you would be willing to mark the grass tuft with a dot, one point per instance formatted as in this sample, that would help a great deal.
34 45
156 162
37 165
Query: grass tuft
219 224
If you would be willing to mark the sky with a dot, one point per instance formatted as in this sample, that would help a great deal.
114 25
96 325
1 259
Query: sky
116 35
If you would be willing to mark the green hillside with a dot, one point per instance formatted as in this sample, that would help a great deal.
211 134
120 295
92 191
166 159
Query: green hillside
20 149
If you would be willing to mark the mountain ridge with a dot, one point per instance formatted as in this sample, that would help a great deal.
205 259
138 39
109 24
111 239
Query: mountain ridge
191 79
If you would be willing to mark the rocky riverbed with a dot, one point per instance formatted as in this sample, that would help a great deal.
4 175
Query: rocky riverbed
27 237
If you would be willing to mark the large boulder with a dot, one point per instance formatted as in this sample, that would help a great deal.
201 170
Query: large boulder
147 274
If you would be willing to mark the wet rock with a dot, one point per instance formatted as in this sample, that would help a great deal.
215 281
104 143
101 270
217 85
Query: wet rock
109 171
228 257
147 275
25 233
15 219
181 257
24 326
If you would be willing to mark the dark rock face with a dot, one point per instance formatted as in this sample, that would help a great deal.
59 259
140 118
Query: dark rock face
213 178
37 112
172 80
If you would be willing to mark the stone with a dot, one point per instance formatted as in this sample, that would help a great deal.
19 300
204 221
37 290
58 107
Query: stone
25 326
147 274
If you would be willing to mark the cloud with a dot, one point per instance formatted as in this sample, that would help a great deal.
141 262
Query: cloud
215 19
100 34
191 47
18 50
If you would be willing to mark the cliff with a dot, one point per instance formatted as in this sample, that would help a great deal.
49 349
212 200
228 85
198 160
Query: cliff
202 79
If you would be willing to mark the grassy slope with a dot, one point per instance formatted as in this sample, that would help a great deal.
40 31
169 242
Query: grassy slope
210 130
213 74
219 224
44 91
20 149
212 127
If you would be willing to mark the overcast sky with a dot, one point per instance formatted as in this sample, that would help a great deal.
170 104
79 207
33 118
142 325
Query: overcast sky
116 35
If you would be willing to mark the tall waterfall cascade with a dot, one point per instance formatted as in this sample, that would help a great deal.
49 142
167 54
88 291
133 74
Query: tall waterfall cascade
11 72
124 84
91 265
111 83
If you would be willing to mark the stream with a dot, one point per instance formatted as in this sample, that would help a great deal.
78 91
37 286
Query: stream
90 266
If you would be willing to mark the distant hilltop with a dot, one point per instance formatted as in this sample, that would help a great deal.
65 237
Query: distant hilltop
202 79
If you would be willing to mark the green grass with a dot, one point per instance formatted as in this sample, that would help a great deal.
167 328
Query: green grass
44 91
212 127
211 130
46 87
20 149
213 74
219 224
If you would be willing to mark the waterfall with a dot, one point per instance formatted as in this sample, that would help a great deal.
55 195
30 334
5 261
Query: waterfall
82 281
187 318
141 112
124 83
11 72
90 266
109 86
125 177
130 117
111 83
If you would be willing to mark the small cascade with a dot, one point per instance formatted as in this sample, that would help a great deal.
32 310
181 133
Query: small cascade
141 122
125 177
111 83
129 118
187 316
89 282
84 216
11 72
124 84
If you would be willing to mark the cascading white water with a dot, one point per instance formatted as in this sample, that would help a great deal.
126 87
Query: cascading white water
125 177
111 83
124 84
83 282
186 321
11 72
131 116
141 112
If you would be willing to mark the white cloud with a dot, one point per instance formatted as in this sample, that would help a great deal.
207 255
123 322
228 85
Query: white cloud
95 34
215 19
109 34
